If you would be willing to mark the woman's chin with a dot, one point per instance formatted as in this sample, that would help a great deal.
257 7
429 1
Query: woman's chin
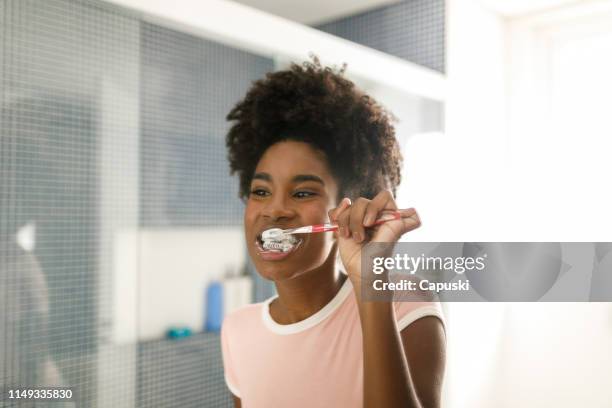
289 270
277 272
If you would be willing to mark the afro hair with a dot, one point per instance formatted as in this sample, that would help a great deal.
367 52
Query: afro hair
319 106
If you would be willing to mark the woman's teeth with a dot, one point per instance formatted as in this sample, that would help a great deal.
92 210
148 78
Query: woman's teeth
280 244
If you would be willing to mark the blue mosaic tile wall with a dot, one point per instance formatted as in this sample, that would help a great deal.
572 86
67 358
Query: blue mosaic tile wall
188 87
411 29
94 99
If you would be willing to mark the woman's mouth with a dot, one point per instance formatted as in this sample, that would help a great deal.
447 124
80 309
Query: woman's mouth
277 249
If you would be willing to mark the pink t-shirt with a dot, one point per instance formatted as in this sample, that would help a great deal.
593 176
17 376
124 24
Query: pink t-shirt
314 363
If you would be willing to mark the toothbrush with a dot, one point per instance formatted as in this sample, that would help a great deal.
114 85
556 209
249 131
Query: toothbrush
277 233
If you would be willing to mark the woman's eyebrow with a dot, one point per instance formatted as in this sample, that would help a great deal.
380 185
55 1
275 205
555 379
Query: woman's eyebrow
262 176
300 178
307 177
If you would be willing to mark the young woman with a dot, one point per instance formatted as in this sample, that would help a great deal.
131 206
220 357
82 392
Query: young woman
310 148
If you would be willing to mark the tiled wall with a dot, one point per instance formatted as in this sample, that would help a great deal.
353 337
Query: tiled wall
107 124
188 87
411 29
61 64
183 373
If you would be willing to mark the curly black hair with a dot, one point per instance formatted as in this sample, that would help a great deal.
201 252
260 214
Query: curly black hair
319 106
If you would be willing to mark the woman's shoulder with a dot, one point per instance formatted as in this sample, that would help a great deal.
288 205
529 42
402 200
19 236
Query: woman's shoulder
409 310
243 316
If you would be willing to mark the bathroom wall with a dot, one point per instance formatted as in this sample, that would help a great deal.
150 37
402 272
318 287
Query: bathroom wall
414 30
112 129
411 29
70 77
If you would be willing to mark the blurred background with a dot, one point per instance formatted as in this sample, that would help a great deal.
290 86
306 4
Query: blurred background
120 228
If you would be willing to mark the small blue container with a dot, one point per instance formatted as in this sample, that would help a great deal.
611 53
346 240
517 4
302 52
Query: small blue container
214 307
178 332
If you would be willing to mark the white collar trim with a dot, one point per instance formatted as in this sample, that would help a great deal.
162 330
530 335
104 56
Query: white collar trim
310 321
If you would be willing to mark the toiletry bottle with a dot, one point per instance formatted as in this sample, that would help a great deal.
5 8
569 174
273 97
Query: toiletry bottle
214 307
237 291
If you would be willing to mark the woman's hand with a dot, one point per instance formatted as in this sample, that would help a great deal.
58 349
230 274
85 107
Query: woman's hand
356 228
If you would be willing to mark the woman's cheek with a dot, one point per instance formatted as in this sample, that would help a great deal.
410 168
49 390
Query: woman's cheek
250 216
318 250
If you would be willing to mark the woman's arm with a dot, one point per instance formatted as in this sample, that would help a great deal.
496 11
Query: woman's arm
424 343
401 370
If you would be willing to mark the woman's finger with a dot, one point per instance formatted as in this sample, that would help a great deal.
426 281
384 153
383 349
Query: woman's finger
343 223
383 201
340 215
333 213
408 212
411 220
356 220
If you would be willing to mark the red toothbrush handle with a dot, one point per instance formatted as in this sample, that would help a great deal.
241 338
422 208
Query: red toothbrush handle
387 216
324 227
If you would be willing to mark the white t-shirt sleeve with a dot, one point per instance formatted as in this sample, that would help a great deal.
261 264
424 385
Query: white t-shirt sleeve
407 312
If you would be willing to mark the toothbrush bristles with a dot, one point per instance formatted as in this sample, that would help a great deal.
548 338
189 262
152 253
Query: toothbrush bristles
272 233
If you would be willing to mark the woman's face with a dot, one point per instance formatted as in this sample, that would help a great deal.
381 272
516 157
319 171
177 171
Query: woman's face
292 186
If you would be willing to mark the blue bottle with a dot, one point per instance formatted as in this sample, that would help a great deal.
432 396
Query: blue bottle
214 307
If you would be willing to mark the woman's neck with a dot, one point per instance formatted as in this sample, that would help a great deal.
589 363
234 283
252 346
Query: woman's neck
303 296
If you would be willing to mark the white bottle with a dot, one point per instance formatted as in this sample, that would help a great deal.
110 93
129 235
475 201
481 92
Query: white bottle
237 291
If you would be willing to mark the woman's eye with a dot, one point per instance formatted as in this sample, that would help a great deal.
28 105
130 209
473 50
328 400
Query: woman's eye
259 192
303 194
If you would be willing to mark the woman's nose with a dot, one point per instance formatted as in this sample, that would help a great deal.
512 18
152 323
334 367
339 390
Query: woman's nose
277 208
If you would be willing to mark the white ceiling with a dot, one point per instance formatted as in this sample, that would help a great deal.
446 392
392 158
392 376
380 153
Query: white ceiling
514 8
314 11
